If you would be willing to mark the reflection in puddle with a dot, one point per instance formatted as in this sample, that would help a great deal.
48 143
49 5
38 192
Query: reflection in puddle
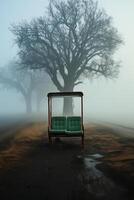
90 165
95 156
95 182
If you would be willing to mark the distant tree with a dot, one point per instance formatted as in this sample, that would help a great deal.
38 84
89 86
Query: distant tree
43 86
75 38
25 81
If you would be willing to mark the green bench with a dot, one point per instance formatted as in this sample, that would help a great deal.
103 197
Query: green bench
66 127
61 126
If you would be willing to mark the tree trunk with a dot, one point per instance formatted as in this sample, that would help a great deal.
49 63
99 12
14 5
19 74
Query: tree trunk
28 104
68 101
68 106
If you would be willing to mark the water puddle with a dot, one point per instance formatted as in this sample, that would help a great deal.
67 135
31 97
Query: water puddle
95 181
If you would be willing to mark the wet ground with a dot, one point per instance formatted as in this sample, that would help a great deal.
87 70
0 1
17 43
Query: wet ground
30 168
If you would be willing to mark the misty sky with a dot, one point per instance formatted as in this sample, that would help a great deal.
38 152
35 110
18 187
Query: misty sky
104 99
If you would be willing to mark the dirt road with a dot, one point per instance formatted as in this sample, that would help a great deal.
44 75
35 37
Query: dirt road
30 168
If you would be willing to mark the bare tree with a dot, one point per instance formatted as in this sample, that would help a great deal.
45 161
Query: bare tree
75 38
25 81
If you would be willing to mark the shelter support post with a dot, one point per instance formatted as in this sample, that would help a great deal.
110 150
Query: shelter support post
82 138
49 117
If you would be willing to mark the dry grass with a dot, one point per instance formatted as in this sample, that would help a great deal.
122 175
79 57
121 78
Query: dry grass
21 144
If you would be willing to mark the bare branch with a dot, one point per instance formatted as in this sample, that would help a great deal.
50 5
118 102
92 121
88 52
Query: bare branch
74 38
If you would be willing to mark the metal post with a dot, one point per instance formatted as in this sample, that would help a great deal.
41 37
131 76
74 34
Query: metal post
82 110
82 139
49 117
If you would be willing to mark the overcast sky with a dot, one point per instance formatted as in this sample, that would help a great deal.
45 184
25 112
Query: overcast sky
104 99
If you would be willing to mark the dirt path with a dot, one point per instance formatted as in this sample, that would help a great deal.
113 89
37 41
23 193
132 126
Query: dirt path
33 169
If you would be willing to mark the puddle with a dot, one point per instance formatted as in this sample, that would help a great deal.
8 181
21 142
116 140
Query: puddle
90 166
96 156
95 181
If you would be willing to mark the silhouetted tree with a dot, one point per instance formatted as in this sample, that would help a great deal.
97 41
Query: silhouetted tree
75 38
26 81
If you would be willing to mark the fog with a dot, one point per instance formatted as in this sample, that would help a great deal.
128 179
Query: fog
107 100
